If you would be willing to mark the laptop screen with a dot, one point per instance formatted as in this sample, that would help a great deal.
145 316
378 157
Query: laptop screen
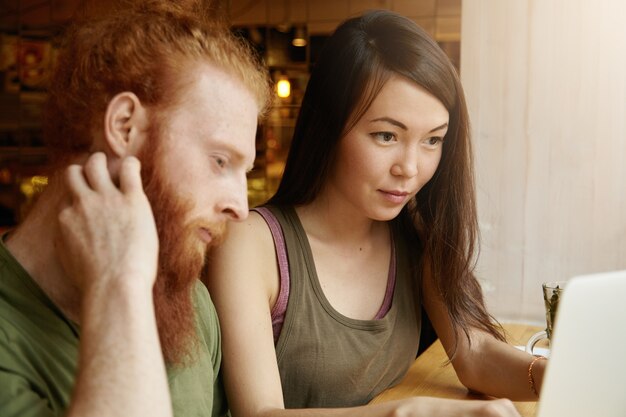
586 371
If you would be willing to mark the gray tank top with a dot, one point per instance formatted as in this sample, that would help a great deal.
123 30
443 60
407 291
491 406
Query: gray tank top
326 359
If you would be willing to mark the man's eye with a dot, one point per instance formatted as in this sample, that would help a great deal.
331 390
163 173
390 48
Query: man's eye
221 162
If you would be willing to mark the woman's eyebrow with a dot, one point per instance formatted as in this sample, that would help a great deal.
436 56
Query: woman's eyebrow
391 121
439 128
403 126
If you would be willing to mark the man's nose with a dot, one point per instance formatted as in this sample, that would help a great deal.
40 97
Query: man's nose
234 205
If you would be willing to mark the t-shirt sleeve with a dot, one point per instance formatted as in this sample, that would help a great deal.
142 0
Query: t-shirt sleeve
208 325
209 329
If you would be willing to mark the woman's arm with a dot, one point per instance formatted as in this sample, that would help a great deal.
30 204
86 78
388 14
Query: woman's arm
243 281
487 365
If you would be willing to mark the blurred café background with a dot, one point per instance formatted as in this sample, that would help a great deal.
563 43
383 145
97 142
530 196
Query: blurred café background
545 81
287 34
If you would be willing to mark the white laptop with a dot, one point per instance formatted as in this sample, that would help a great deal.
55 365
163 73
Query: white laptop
586 373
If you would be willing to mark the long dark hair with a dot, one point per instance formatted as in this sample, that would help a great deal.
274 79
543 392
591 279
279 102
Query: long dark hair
356 62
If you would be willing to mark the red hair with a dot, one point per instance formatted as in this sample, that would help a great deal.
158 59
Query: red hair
147 49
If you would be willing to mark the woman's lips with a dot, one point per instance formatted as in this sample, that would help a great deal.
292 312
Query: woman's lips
397 197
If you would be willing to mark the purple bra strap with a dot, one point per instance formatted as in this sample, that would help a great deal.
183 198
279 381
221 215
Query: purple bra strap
280 308
391 285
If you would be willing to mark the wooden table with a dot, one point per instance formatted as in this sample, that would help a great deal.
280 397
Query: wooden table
430 376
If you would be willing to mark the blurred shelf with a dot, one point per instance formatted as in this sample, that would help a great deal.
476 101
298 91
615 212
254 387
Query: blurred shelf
12 151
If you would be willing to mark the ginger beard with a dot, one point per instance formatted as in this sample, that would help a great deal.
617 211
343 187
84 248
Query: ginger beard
181 257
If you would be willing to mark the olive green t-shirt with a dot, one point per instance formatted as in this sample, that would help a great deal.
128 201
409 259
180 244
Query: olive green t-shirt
39 352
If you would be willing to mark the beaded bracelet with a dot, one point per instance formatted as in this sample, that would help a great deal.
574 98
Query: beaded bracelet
531 379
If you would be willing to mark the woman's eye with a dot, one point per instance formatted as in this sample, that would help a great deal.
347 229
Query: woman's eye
384 137
434 140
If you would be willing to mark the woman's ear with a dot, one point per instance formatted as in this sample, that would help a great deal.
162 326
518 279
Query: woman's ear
125 125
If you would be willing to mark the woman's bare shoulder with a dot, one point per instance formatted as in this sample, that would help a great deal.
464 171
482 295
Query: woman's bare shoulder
252 233
246 253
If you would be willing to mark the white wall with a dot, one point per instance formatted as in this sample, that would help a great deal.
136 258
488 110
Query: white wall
546 86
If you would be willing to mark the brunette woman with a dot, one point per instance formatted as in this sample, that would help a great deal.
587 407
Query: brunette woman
320 292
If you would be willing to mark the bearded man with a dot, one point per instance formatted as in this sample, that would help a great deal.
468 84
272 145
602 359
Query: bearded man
101 309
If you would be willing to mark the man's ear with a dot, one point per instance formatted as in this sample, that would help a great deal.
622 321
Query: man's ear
125 125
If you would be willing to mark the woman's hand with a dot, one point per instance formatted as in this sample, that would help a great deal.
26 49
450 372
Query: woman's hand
429 406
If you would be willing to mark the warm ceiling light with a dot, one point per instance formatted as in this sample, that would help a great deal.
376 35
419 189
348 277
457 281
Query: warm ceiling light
299 38
283 88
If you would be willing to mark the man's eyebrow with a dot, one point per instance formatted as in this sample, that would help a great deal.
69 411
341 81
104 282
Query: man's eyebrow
235 154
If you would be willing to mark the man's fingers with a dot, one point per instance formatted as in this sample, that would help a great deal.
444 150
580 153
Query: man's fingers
97 173
75 180
130 175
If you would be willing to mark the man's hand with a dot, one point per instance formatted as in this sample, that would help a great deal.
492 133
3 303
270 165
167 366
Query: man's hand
108 247
107 233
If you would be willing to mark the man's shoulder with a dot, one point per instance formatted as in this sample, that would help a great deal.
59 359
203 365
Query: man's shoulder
15 305
196 388
202 298
37 362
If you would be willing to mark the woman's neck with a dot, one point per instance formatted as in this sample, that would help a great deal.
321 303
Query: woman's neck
329 219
